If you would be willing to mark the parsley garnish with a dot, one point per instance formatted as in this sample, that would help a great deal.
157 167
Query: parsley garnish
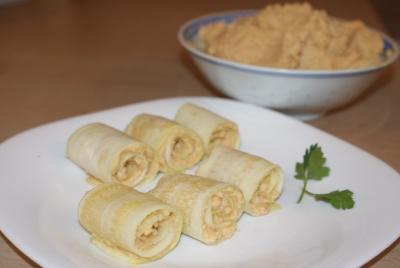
313 168
338 199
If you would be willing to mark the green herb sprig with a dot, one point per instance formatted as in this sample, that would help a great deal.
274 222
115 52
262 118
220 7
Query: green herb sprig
313 168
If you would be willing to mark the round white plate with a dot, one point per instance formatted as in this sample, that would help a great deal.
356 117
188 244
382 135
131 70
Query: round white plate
40 191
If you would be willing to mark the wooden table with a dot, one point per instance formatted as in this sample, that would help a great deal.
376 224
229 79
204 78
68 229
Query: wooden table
63 58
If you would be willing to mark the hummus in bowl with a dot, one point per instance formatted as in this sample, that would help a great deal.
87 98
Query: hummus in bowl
304 92
293 36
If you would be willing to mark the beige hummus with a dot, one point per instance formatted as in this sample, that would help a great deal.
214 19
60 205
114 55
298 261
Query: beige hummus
294 36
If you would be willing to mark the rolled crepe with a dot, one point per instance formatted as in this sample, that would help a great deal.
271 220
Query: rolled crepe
211 208
260 180
177 147
212 128
129 224
111 156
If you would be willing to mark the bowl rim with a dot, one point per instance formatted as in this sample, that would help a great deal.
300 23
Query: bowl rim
277 71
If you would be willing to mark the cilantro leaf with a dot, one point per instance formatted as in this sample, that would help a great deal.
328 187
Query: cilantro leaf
301 168
300 171
316 168
338 199
312 167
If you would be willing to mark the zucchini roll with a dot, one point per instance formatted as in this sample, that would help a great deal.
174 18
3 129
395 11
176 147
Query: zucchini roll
111 156
177 147
128 224
211 208
212 128
260 180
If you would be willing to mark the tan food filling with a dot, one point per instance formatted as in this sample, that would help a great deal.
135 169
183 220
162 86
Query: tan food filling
182 151
225 209
295 36
264 197
155 228
226 136
132 166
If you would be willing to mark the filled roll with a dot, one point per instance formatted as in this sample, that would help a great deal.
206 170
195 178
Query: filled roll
177 147
260 180
211 208
212 128
111 156
128 224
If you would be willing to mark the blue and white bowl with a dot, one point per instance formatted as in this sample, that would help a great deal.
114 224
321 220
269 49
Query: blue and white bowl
306 94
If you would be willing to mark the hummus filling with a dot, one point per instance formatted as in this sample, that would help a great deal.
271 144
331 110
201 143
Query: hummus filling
294 36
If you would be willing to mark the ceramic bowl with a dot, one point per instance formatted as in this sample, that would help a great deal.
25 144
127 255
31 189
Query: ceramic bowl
305 94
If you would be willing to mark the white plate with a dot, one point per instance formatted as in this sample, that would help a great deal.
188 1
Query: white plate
40 190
